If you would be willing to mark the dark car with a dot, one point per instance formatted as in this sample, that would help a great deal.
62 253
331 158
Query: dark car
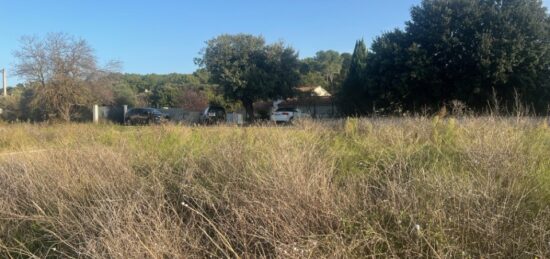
137 116
212 115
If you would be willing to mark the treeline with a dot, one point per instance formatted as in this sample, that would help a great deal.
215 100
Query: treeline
191 91
25 102
468 54
66 90
471 54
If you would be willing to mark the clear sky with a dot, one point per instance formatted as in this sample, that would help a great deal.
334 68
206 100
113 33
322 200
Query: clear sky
164 36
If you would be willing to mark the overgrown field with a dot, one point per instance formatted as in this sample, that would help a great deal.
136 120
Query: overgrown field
352 188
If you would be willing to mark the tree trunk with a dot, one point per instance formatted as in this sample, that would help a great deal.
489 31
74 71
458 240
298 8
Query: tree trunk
64 112
249 108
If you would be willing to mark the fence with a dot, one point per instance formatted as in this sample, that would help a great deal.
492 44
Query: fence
111 113
116 114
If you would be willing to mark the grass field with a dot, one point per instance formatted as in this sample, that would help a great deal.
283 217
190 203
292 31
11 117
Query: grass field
408 187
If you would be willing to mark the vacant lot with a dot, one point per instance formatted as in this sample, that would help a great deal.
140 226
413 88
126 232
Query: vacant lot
356 188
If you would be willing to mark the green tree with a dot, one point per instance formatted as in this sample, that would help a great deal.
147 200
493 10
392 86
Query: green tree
324 69
124 94
249 70
313 78
165 95
310 73
352 97
330 64
394 70
346 62
463 50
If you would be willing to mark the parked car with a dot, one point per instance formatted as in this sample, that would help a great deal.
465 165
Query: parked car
137 116
212 115
287 115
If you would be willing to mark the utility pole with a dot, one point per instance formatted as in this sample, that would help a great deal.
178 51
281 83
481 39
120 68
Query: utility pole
5 82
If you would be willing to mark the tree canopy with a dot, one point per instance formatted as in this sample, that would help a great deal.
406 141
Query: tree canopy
248 69
465 50
325 69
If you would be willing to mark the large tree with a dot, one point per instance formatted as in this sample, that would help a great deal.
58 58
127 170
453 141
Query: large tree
397 72
248 69
62 70
464 50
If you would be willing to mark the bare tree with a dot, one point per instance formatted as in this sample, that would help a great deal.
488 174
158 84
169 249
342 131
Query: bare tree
103 81
62 69
193 100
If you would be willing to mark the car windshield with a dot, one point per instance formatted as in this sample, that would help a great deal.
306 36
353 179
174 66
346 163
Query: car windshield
216 109
286 110
154 111
135 111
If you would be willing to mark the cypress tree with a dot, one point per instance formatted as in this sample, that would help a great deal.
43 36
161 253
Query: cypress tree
352 100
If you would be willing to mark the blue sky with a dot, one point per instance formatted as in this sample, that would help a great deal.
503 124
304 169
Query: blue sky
164 36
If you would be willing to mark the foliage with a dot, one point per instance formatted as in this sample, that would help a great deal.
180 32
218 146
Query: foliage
325 69
11 110
330 64
352 100
165 96
463 50
124 94
248 70
193 100
169 90
313 78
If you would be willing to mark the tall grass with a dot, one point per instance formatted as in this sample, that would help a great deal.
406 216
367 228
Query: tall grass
476 187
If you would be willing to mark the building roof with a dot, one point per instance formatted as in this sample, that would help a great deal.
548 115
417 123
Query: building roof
307 96
313 90
296 102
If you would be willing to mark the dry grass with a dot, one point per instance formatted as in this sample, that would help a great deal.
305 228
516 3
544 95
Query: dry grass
357 188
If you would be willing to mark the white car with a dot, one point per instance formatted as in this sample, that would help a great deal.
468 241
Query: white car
287 115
